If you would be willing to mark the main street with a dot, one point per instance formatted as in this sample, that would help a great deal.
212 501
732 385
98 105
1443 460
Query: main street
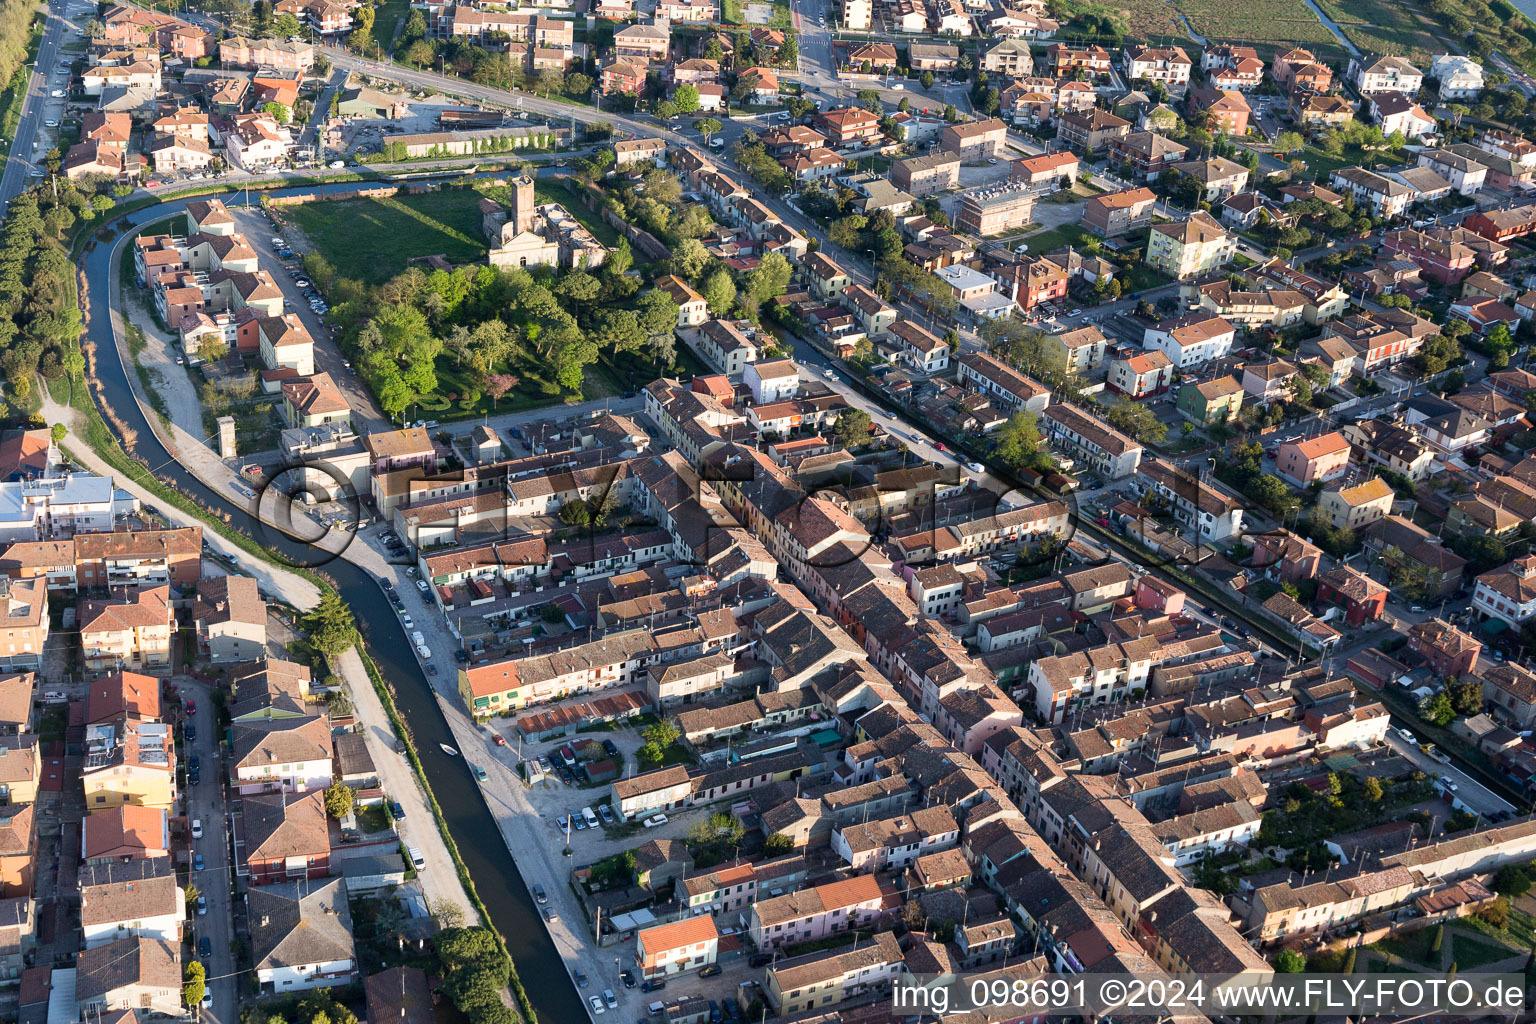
19 163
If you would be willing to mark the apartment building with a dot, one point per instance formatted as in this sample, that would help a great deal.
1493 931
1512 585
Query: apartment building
922 176
973 141
1355 507
1170 66
1371 74
1323 458
1193 247
1111 214
1094 442
815 913
995 210
1191 340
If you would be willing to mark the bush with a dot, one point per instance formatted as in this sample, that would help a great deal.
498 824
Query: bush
1512 881
1288 961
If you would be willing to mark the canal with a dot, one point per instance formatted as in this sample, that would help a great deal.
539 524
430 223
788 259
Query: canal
480 843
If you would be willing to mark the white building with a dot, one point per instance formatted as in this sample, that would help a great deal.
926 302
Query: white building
1191 340
1460 78
139 899
301 938
772 380
1508 592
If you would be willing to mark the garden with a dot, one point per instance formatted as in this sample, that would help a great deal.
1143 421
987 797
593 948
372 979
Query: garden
476 340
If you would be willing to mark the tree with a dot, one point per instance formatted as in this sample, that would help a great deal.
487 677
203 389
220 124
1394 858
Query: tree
689 259
277 111
1438 710
852 427
707 126
1138 421
339 799
666 110
287 24
870 100
1512 880
686 99
1372 789
1288 961
847 232
447 913
332 629
950 113
420 53
719 827
778 844
1289 142
194 983
657 312
719 292
927 79
1483 551
658 737
1020 444
1466 696
769 278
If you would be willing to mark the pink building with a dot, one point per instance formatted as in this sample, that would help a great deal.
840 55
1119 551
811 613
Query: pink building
815 913
1152 594
1323 458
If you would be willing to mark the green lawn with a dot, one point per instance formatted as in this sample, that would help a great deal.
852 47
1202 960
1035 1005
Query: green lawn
389 12
371 240
1052 239
1471 953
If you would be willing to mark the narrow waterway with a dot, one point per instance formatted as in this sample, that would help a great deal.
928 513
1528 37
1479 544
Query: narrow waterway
511 909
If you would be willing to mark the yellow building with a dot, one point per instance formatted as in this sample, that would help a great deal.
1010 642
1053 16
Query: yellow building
21 765
1358 506
1190 248
131 763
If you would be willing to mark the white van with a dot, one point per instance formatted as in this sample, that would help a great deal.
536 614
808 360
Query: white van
417 860
589 817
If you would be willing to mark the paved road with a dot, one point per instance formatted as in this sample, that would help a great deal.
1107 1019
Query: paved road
1478 798
33 112
205 803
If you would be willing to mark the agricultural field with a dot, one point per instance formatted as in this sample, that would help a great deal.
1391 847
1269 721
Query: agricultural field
1150 20
1290 21
1382 27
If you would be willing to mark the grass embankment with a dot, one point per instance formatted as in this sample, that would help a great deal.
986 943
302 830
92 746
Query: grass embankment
15 95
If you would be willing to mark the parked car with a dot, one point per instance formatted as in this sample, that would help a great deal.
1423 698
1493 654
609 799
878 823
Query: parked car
597 1005
710 971
197 828
628 977
655 821
539 893
479 771
191 732
549 914
396 811
611 999
202 906
423 586
607 815
581 978
204 947
197 862
653 985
